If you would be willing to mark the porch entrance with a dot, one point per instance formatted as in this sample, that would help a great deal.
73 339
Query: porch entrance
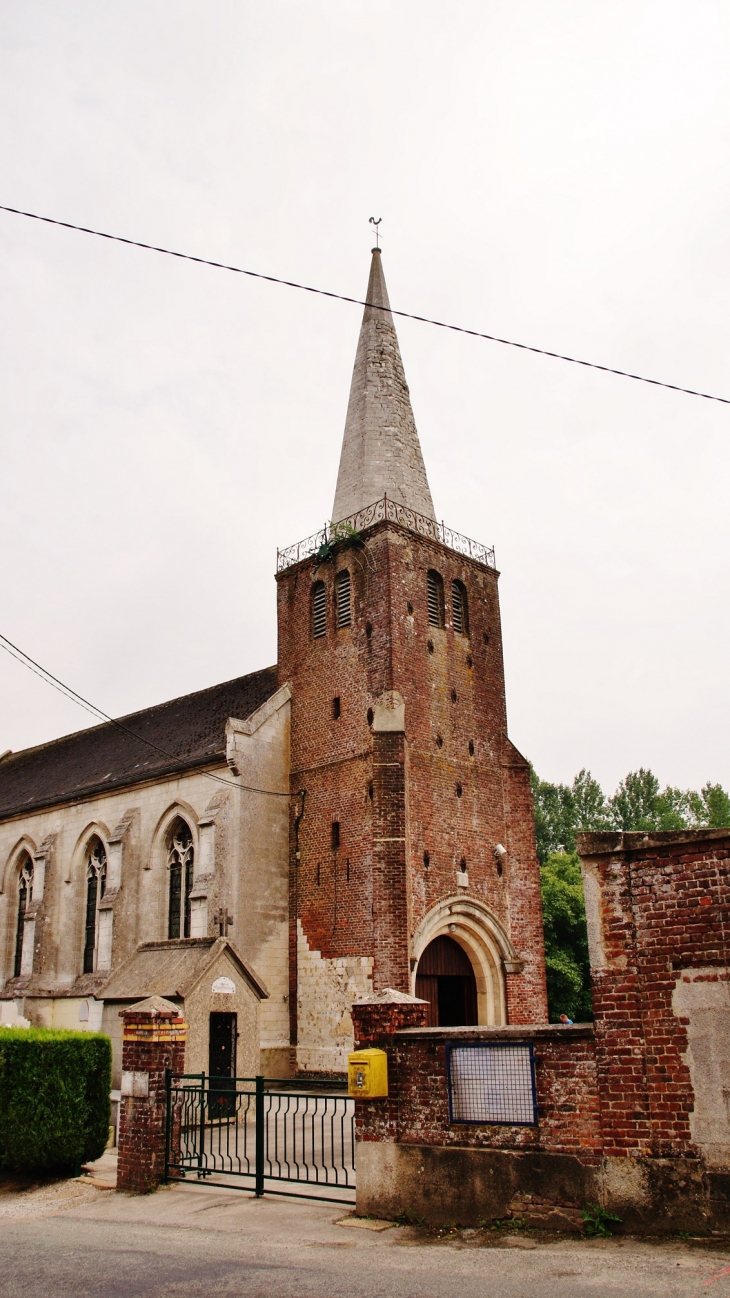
222 1064
445 979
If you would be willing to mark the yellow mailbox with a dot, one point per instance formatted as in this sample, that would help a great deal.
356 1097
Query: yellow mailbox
367 1073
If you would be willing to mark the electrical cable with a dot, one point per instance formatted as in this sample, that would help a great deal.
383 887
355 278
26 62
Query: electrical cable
42 677
356 301
68 693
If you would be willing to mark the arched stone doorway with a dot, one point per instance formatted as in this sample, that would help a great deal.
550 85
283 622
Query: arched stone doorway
483 941
445 978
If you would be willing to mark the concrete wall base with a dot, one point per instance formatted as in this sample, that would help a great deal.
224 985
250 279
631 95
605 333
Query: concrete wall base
547 1190
469 1186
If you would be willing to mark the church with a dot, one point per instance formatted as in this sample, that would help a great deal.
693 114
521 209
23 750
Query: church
266 851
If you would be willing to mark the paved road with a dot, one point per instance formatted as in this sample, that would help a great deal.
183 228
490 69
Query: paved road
186 1241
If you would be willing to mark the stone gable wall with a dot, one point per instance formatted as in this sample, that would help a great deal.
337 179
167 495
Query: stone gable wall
241 863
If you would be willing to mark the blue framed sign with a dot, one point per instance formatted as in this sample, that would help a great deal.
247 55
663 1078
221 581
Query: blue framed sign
492 1082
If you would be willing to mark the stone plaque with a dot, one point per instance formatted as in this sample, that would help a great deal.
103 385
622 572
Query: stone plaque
137 1084
224 986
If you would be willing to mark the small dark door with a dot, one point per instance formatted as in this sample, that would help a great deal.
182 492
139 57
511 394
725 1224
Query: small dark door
446 980
222 1065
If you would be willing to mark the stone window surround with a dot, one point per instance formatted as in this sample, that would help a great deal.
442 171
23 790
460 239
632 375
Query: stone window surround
42 860
203 830
114 846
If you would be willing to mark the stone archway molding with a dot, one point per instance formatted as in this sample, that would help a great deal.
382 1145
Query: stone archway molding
24 845
486 942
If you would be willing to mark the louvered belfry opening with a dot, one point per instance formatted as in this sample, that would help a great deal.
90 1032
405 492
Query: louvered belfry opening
459 608
435 596
342 598
445 979
319 610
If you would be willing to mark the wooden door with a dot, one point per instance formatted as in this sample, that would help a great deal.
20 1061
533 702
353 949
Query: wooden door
445 979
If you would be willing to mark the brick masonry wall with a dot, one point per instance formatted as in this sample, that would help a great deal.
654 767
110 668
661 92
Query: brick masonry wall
637 1117
659 914
375 1025
154 1040
456 805
417 1108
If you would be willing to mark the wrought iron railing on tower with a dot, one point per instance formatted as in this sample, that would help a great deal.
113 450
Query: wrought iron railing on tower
382 511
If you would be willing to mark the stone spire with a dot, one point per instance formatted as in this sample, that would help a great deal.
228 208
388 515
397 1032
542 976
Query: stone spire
381 454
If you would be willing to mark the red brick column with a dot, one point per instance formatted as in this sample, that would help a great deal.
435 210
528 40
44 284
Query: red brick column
619 1020
376 1019
658 908
390 899
526 991
154 1040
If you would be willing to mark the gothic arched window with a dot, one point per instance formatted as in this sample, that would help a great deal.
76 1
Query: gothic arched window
435 597
25 883
95 885
319 610
460 608
180 857
342 598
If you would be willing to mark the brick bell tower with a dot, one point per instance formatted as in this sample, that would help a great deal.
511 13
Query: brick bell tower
413 860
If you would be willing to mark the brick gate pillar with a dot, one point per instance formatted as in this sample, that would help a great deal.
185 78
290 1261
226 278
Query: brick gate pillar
153 1041
376 1019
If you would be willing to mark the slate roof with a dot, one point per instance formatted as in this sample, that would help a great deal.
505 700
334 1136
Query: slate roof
381 454
172 969
190 731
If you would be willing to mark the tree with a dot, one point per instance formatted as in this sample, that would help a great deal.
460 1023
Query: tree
561 810
566 938
638 804
591 811
554 817
634 805
716 806
679 809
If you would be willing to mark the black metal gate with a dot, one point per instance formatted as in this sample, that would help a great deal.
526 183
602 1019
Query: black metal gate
254 1133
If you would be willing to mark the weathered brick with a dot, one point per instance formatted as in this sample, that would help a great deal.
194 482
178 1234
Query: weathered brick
411 807
154 1041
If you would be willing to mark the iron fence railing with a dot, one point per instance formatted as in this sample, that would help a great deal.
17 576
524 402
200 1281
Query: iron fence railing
381 511
256 1133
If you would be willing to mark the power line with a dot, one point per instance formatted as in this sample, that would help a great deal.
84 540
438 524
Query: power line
43 677
68 693
356 301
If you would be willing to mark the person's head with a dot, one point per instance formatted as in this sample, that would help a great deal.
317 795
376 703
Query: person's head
564 1018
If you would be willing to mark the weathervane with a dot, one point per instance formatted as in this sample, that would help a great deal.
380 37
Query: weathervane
372 221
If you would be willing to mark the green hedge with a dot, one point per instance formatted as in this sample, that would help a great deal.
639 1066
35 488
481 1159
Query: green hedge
54 1098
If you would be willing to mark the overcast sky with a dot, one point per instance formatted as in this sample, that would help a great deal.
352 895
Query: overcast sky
554 173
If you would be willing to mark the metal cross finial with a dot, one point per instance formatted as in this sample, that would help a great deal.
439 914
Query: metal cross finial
372 221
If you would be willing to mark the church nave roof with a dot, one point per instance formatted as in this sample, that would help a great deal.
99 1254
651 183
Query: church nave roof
190 729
